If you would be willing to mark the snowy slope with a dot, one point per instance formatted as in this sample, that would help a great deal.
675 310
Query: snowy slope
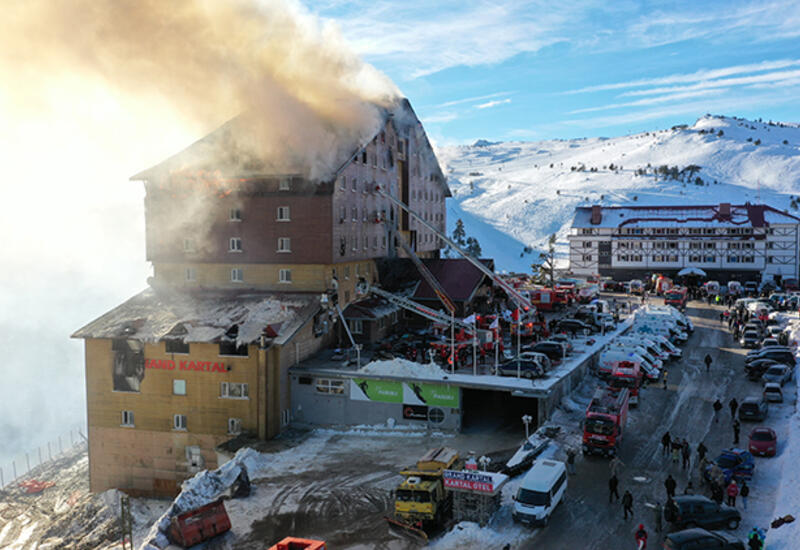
514 194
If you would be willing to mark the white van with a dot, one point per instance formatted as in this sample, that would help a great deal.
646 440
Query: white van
666 345
541 490
650 367
651 329
664 320
683 320
649 344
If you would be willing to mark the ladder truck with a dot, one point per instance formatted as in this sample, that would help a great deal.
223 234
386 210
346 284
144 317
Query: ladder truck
519 300
486 339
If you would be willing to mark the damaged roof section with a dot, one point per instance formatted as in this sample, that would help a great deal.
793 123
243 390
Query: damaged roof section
205 316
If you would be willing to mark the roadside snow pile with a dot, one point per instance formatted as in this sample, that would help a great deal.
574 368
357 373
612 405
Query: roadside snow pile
788 500
405 369
471 535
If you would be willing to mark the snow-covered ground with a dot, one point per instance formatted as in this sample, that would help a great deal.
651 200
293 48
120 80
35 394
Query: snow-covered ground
516 194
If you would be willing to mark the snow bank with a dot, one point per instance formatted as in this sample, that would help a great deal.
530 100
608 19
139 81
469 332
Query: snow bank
788 501
403 368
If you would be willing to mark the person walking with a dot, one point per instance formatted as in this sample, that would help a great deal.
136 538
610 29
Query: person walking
641 537
708 360
733 404
613 483
571 461
755 539
627 504
744 492
670 484
664 380
659 513
717 407
615 464
686 453
701 452
676 450
665 443
732 491
736 428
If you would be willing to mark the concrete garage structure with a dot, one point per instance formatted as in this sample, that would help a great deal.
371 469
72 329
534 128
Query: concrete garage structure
327 395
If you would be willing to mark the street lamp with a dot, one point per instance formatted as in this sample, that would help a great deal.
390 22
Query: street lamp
484 462
527 419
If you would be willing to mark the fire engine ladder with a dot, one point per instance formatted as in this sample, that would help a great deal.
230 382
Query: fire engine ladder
355 345
406 303
428 276
519 299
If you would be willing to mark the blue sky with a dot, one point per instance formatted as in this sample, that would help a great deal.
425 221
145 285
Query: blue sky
533 70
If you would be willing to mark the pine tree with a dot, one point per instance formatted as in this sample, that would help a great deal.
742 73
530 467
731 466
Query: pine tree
473 247
545 271
459 234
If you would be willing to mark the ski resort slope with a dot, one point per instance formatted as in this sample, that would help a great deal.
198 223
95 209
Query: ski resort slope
516 194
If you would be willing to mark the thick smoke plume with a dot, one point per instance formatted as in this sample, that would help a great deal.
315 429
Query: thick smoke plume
301 93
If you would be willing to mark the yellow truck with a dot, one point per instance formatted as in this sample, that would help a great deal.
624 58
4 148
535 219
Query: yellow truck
421 503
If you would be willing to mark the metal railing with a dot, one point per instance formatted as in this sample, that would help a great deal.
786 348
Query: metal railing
22 464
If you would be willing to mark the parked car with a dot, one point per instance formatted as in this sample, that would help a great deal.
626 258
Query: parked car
769 342
564 339
541 358
750 338
779 374
753 409
779 354
735 464
700 539
757 368
750 288
554 350
574 326
772 392
525 368
700 511
763 441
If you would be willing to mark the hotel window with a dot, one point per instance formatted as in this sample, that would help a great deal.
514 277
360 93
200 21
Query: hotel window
708 231
191 274
356 326
233 390
179 422
188 245
235 215
363 157
364 214
353 184
235 244
127 419
710 259
587 257
636 258
354 213
622 258
733 259
383 242
283 214
770 246
342 214
587 244
748 246
343 181
672 245
585 231
346 272
695 231
748 259
284 244
695 259
286 417
234 426
709 246
365 241
176 346
327 385
772 259
285 276
285 184
237 275
695 246
179 387
355 242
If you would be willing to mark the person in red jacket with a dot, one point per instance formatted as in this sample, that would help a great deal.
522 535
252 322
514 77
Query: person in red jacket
732 491
641 537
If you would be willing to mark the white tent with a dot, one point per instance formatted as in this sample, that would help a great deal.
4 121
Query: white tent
692 271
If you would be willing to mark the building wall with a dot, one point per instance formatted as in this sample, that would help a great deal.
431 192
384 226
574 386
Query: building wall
122 456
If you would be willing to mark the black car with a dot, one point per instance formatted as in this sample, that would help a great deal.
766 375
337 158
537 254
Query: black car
573 326
700 539
700 511
758 367
776 353
553 350
750 288
753 408
525 368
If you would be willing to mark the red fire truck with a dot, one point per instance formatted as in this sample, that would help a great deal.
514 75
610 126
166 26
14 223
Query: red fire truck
677 297
604 424
627 375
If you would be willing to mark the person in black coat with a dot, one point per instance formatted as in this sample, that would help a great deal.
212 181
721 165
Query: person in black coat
708 360
666 440
627 504
613 483
701 452
670 484
717 407
733 404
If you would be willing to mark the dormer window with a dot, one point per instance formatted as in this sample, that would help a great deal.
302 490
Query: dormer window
235 215
285 184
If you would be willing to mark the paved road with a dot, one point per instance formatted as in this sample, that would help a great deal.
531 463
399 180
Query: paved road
586 520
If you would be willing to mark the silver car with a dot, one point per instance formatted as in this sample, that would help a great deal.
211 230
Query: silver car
779 374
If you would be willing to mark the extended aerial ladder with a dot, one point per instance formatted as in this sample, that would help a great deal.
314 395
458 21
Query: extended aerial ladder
520 300
426 273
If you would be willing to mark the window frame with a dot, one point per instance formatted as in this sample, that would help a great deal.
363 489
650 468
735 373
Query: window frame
285 184
225 390
234 426
279 215
180 423
235 215
190 274
285 276
237 275
235 245
127 419
287 241
329 386
174 388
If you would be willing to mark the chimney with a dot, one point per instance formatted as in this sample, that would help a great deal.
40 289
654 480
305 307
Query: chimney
725 210
597 215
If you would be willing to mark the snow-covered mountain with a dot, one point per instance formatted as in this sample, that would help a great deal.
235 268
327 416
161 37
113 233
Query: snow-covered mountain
513 195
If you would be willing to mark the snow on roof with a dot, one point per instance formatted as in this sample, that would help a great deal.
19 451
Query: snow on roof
403 368
746 215
370 308
204 316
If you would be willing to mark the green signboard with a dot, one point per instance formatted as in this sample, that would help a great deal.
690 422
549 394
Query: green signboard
433 395
383 391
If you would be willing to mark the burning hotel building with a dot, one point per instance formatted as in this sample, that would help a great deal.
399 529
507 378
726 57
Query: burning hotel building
244 237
